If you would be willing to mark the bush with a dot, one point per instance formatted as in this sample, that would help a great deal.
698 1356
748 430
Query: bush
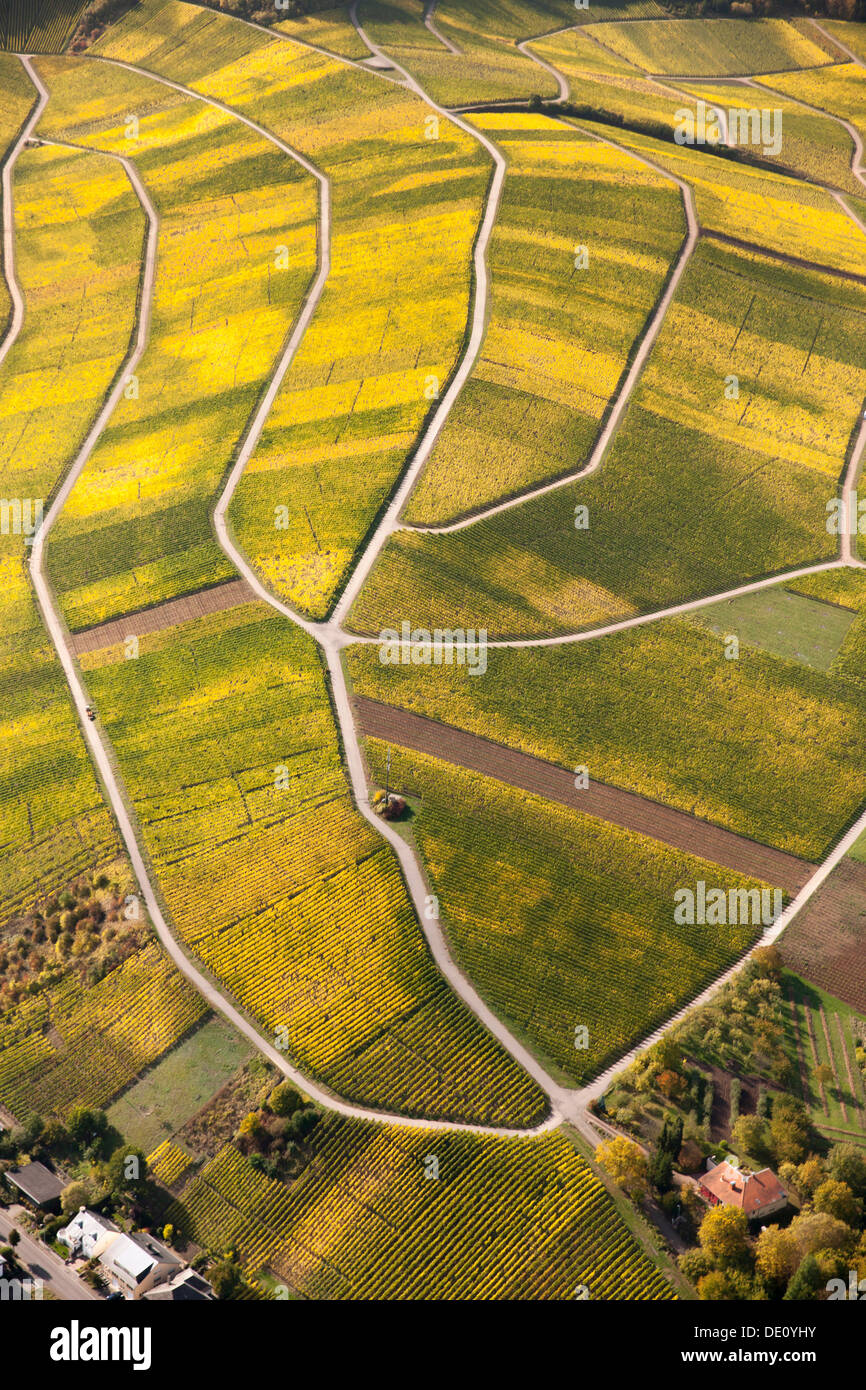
284 1100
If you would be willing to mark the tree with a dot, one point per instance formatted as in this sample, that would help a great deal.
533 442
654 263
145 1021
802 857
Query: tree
766 962
750 1137
847 1164
816 1230
226 1278
806 1177
168 1233
776 1255
75 1195
87 1128
836 1199
625 1164
694 1264
728 1285
807 1281
14 1237
791 1129
660 1170
126 1171
284 1100
724 1235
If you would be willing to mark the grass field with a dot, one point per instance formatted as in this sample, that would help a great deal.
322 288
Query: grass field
755 467
558 337
39 26
542 904
659 710
784 624
504 1219
390 324
276 883
152 1110
711 47
136 529
79 241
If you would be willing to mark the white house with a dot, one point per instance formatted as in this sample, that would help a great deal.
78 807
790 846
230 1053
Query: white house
131 1264
85 1232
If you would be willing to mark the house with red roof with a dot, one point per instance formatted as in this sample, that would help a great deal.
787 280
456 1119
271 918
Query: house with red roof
757 1194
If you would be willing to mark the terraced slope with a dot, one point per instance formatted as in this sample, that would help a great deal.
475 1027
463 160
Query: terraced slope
840 90
504 1219
559 336
763 208
237 250
389 327
66 1039
276 883
815 146
487 65
754 385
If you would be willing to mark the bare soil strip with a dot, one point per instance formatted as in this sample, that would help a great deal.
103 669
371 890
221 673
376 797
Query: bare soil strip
612 804
827 942
163 615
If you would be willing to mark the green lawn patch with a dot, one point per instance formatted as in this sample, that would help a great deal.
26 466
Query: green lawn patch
784 624
170 1093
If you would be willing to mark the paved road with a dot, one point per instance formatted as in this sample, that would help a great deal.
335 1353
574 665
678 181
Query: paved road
430 24
42 1263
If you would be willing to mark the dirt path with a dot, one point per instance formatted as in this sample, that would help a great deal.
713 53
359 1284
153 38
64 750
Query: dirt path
17 316
430 25
611 804
629 380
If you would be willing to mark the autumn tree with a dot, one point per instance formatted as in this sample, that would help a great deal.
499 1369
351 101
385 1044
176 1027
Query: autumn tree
750 1136
724 1235
836 1199
776 1255
847 1163
624 1162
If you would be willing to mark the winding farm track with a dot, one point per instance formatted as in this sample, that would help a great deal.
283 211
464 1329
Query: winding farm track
327 635
566 1103
16 319
629 382
430 25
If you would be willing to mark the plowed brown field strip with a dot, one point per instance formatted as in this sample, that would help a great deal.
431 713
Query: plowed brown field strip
612 804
